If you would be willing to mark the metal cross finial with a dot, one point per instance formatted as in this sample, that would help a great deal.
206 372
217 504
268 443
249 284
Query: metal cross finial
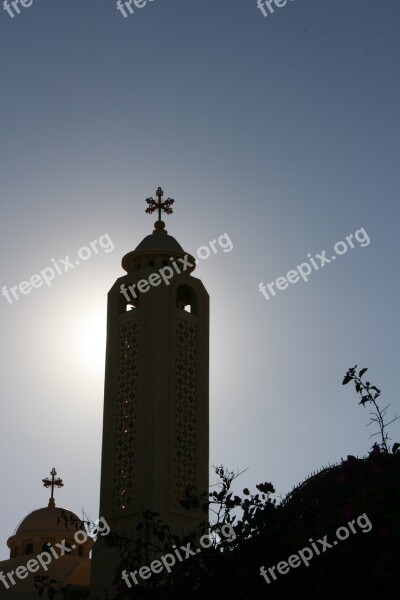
165 206
53 482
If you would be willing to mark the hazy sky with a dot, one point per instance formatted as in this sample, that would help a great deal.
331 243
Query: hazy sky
281 131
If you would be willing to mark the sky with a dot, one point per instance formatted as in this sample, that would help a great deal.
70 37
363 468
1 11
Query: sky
280 131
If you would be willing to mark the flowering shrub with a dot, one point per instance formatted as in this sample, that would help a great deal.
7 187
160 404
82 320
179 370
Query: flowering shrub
267 532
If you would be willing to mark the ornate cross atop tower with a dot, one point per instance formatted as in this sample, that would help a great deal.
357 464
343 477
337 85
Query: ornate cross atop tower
165 206
53 482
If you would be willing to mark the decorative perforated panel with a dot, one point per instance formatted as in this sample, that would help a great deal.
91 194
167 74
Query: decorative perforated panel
185 417
125 415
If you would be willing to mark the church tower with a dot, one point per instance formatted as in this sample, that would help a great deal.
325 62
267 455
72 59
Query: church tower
155 428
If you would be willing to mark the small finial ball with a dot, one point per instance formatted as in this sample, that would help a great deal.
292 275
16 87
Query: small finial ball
159 225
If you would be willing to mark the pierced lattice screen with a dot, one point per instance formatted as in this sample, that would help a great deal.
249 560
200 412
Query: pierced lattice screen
125 417
185 447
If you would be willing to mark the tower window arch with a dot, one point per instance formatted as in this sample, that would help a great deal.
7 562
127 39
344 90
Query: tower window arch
186 300
126 301
29 549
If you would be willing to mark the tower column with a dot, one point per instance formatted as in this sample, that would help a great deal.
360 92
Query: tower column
156 416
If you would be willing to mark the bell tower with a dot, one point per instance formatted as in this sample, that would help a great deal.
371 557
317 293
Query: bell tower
156 416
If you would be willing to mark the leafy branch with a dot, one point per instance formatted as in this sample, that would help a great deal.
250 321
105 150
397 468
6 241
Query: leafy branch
370 393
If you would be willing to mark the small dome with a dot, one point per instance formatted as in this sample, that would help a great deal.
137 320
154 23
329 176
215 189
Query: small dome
45 519
159 241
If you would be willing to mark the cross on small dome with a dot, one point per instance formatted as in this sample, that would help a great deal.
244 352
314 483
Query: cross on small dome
159 205
53 482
